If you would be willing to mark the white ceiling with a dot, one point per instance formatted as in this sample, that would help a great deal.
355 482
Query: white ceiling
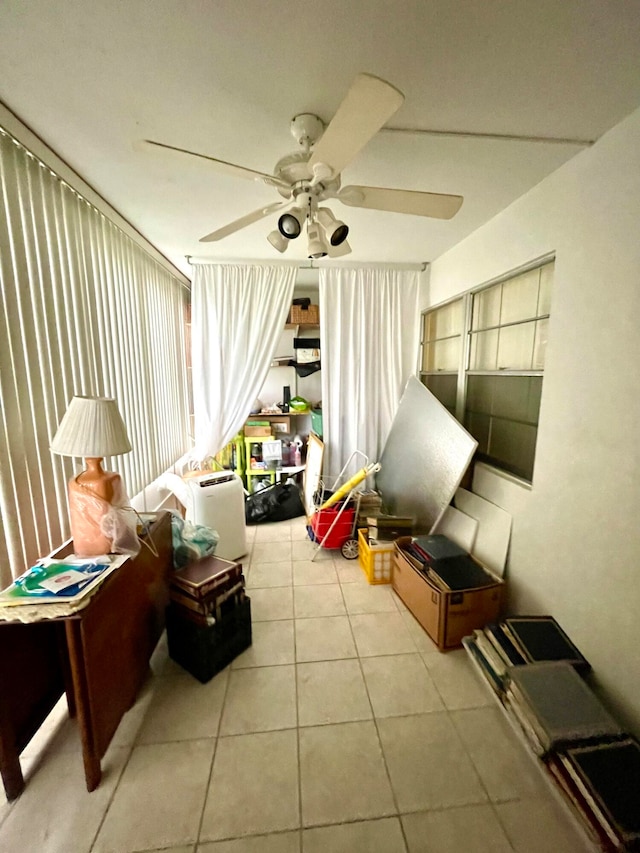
224 77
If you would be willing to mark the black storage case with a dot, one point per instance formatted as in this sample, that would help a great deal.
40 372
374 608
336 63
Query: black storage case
205 650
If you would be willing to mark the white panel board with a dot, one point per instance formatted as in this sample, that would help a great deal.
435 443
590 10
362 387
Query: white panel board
459 527
494 530
424 459
312 471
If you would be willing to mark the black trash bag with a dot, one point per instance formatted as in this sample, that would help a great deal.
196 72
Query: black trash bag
275 503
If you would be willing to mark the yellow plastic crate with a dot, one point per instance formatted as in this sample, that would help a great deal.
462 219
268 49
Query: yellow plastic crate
376 561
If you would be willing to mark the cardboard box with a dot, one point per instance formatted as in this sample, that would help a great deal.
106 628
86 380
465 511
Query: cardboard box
257 431
280 424
446 615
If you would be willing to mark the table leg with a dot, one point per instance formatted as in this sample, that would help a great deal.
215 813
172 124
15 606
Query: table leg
90 757
11 773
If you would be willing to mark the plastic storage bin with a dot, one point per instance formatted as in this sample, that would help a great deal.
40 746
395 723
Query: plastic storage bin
316 421
376 561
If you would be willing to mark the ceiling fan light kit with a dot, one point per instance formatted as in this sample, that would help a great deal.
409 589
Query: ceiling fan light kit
278 241
312 174
335 231
290 223
317 247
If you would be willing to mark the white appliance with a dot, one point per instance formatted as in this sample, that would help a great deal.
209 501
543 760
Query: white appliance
217 501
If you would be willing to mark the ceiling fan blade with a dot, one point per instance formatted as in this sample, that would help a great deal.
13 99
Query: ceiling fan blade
435 205
249 219
223 166
368 104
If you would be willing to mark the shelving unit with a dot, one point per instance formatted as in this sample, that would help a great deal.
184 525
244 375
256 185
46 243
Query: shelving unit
232 456
250 472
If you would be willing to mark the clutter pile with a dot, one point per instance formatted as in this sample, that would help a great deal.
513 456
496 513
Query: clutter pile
209 616
541 679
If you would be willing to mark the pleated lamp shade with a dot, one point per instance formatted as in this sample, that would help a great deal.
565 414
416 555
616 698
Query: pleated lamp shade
92 427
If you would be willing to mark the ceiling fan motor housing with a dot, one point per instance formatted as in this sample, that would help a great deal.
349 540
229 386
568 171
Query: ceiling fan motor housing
306 129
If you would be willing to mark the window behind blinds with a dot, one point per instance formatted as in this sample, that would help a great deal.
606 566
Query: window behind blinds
85 310
483 357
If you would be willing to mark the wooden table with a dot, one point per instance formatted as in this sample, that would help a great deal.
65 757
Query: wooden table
99 655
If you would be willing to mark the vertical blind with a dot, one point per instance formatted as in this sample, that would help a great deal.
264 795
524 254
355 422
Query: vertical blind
85 310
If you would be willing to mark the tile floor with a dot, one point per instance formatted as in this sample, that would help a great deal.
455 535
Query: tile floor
341 730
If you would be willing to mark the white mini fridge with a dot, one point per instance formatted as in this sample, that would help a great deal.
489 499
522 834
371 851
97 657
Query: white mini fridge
217 501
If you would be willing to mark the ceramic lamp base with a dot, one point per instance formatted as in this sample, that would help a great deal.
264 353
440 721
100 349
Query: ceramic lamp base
90 497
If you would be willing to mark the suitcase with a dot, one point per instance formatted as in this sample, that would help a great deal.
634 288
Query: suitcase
209 587
203 650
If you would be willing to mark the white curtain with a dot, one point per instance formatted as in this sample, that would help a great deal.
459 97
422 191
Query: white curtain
369 339
238 314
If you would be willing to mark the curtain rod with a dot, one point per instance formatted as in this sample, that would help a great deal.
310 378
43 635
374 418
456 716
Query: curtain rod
309 265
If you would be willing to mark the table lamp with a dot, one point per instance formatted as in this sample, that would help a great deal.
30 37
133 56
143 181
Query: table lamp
92 428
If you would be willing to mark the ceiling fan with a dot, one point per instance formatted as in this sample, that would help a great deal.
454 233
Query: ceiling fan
311 175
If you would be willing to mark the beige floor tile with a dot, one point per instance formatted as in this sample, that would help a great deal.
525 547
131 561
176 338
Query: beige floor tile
131 724
402 607
326 638
423 641
368 836
182 708
259 700
318 600
306 573
306 550
278 532
381 634
331 692
369 599
299 531
64 738
271 604
160 663
472 829
57 718
279 842
541 826
507 769
254 786
270 552
262 575
5 808
188 848
350 572
342 774
400 685
272 644
55 813
159 800
458 683
428 764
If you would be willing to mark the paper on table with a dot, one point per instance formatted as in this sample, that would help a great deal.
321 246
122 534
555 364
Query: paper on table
41 585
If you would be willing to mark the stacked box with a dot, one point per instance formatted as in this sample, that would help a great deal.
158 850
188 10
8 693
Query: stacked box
209 616
447 615
386 528
369 504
